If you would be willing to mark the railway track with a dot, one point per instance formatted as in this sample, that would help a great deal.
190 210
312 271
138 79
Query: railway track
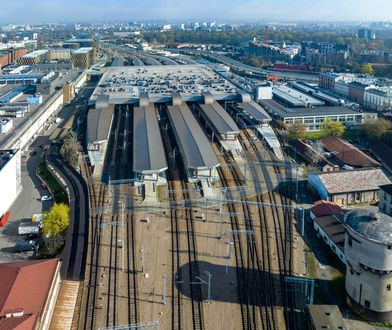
253 269
182 222
282 220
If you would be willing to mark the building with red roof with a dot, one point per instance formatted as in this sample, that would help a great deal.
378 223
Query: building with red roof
28 293
348 154
323 208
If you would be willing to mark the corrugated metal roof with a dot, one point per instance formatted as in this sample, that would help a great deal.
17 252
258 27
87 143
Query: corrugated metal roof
197 150
221 120
99 121
148 151
256 111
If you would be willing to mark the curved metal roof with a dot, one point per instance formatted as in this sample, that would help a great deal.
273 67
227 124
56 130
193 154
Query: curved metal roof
99 122
196 148
148 151
219 118
256 111
373 226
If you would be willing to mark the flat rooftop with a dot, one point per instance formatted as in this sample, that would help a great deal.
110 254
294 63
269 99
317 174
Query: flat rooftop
286 112
148 152
5 156
294 97
194 144
127 84
83 50
219 118
36 53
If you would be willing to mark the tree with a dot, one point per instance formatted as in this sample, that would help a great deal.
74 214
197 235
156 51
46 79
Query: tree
70 149
375 129
334 128
296 131
367 69
56 221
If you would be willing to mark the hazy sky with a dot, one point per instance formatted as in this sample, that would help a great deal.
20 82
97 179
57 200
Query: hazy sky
22 11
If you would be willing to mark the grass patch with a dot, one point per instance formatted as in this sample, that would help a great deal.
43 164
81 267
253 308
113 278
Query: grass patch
316 135
59 195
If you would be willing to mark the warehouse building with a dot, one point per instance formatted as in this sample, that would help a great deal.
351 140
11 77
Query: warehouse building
347 154
349 187
368 249
313 118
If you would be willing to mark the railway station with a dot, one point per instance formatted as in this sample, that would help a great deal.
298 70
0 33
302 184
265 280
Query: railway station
195 149
221 123
99 122
149 160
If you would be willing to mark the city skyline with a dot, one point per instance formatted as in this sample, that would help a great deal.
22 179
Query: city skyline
46 11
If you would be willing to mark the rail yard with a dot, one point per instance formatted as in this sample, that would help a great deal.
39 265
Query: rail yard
188 225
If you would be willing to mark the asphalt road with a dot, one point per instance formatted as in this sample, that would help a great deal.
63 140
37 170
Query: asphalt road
29 200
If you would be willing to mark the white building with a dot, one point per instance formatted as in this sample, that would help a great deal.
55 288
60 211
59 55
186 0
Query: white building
378 98
368 249
10 178
5 125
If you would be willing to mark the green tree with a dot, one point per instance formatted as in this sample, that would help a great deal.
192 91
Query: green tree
56 221
375 129
70 149
334 128
296 131
367 69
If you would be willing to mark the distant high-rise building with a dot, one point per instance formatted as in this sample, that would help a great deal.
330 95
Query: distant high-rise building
366 34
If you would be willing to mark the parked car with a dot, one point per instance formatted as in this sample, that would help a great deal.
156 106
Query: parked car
46 198
44 186
23 246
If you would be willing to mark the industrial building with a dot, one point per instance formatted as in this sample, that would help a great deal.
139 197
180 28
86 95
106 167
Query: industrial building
10 177
293 98
313 118
368 249
347 154
349 187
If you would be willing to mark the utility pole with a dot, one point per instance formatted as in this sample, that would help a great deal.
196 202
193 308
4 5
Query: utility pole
164 290
142 257
122 234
